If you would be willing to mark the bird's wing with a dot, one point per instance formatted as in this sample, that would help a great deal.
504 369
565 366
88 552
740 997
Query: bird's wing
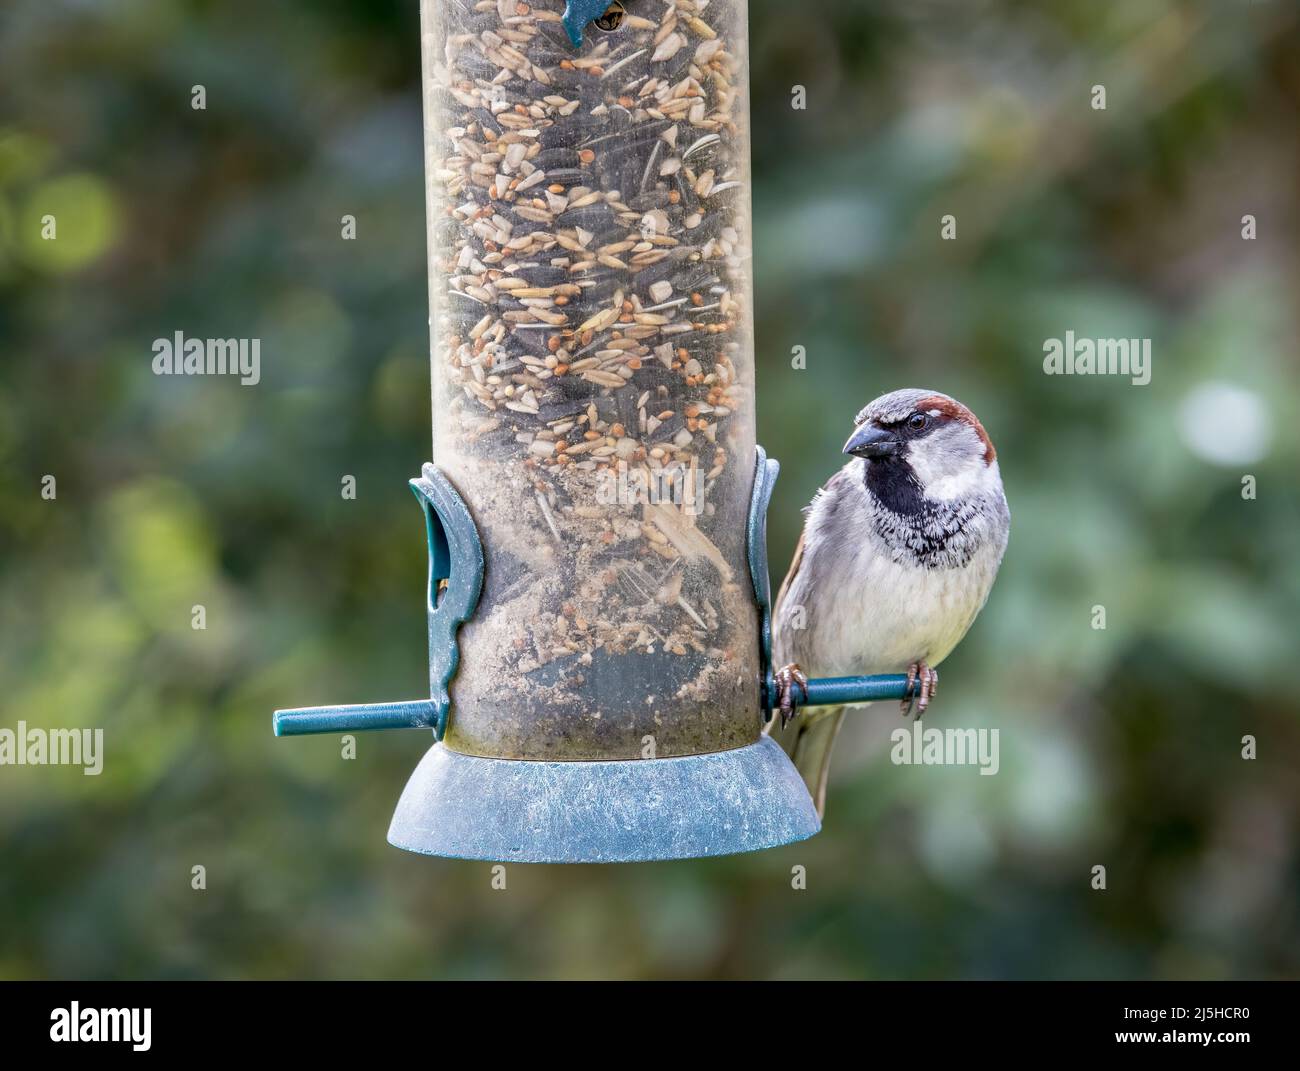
799 553
809 740
790 575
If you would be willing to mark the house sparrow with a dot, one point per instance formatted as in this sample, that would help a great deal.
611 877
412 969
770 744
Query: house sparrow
897 556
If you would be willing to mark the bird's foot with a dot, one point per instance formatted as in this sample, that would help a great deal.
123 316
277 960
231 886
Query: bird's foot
918 673
787 679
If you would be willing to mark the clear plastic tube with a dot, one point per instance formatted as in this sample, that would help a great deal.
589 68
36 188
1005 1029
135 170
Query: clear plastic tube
589 253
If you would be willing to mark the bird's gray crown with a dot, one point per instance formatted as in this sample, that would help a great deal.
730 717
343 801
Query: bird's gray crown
897 405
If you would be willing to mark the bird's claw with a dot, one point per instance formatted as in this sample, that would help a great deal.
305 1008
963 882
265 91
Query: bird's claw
786 679
928 688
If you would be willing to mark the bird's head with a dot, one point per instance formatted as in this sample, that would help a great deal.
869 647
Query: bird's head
929 437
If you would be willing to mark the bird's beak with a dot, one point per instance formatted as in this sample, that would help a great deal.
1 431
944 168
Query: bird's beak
872 443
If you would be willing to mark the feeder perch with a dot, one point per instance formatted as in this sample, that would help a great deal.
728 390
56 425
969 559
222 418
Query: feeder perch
599 605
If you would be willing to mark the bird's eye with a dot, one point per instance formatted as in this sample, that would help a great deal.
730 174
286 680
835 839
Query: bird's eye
918 422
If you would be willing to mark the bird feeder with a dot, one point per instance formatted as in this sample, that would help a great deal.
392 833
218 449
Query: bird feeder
598 599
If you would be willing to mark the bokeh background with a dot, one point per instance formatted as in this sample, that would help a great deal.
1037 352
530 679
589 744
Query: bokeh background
1120 747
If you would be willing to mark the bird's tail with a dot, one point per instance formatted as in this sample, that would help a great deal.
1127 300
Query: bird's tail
809 740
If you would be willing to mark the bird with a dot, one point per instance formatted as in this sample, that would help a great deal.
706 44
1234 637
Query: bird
897 557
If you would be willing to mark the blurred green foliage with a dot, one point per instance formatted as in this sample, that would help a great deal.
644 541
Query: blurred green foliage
1119 747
